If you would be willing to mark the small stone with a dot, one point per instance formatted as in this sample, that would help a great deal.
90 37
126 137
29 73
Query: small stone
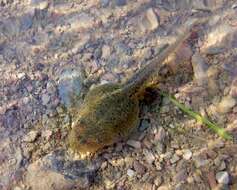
130 173
158 181
211 179
149 21
175 158
106 51
150 158
179 152
234 6
139 168
104 3
128 161
97 53
199 69
199 162
161 134
216 144
104 165
26 22
40 4
152 18
144 125
187 154
164 109
31 136
190 179
45 99
120 2
122 48
71 88
217 161
109 184
219 37
17 188
163 187
47 134
181 176
147 143
167 155
81 21
134 144
226 104
214 50
159 148
222 177
222 166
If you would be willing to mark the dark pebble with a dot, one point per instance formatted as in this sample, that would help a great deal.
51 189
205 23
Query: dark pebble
26 22
120 2
145 123
104 3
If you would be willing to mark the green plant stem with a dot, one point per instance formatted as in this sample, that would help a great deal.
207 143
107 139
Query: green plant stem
220 131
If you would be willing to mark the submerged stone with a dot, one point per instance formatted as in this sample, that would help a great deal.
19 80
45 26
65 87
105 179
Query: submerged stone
71 88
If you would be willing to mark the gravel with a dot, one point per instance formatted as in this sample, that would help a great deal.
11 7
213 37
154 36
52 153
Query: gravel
222 177
130 173
134 144
187 154
31 136
46 45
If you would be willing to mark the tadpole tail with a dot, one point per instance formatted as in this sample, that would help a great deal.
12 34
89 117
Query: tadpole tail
135 83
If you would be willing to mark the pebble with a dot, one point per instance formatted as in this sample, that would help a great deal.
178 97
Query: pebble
214 50
211 179
122 48
149 21
164 109
199 69
222 166
199 162
167 155
104 165
106 51
163 187
130 173
158 181
104 3
70 88
26 22
17 188
40 4
144 125
187 154
161 134
31 136
150 158
55 171
218 37
139 168
81 21
120 2
45 99
159 148
226 104
47 134
175 158
97 53
222 177
190 179
181 176
134 144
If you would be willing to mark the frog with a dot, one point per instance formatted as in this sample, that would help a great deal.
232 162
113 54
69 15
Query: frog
110 112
